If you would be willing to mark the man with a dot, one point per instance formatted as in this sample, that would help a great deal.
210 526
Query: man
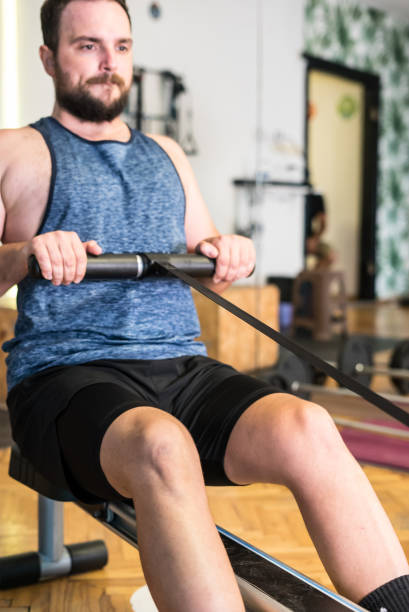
108 391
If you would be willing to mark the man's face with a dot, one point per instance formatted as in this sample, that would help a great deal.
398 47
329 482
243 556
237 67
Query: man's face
93 67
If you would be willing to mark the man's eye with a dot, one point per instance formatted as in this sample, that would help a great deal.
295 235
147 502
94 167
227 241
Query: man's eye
123 48
88 47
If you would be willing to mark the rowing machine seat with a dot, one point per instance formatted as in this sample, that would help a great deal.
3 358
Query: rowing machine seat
23 471
53 559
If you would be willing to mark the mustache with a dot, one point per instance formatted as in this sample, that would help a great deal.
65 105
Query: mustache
106 78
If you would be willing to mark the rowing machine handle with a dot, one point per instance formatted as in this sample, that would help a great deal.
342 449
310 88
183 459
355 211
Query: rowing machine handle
134 266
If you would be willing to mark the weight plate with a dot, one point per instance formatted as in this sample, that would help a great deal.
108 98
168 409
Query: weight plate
318 377
400 360
355 350
290 369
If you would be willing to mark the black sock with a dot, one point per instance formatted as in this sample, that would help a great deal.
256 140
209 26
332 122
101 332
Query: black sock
390 597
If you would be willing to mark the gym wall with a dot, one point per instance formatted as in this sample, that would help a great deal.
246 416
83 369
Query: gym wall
367 39
214 46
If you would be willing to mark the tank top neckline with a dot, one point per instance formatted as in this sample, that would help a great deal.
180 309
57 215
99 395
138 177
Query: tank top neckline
96 142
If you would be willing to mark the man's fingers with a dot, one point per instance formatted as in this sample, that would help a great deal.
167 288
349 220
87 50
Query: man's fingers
81 262
56 261
235 259
62 256
236 256
250 262
222 266
43 259
93 247
68 245
207 249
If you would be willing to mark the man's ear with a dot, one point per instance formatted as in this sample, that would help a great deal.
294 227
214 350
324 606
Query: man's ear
48 60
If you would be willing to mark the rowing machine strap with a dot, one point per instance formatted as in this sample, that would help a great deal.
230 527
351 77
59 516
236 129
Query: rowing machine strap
343 379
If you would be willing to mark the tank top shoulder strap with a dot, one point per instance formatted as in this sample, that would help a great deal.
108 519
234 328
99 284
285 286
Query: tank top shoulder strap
42 126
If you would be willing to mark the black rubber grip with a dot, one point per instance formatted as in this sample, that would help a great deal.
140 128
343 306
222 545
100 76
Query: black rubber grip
19 570
87 556
195 265
133 266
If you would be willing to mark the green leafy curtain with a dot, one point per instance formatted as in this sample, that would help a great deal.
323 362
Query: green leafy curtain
370 40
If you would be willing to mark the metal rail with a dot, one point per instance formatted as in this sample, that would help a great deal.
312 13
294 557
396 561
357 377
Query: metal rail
297 386
266 584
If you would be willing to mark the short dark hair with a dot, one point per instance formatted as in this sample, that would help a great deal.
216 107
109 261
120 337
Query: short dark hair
51 11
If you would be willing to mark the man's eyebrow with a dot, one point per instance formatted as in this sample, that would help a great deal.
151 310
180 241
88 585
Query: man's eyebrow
85 38
98 40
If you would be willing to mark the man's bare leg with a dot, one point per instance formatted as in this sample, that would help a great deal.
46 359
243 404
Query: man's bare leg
150 457
285 440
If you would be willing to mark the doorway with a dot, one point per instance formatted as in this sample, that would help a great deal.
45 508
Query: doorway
341 135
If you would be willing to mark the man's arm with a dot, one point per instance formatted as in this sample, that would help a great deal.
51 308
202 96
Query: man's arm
13 266
235 255
61 255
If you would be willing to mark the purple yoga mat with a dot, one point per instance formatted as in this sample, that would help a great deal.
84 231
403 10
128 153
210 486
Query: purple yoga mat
374 448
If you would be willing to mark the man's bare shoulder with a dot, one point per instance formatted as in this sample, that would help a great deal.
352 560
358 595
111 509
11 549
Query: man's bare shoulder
25 173
168 144
18 143
17 136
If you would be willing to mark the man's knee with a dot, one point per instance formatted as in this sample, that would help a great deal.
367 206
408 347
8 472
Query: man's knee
308 422
145 447
279 436
308 439
282 418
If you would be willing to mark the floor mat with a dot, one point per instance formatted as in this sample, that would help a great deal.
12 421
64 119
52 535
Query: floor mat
374 448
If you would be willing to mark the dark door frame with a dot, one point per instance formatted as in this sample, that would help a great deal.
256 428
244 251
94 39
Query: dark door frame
372 88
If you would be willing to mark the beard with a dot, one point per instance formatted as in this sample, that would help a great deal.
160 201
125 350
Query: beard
79 101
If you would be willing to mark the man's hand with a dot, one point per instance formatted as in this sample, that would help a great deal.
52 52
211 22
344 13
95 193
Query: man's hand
62 256
235 257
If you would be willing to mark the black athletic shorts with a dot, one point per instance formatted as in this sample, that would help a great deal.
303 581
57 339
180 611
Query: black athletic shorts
60 415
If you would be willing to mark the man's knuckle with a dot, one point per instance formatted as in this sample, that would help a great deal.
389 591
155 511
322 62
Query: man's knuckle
56 260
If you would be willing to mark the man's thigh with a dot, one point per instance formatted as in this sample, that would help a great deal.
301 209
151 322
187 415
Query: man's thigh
210 402
206 396
80 430
69 407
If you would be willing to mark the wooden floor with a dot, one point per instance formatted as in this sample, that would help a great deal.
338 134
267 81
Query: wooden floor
264 515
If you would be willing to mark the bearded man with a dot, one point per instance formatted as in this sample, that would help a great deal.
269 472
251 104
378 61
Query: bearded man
110 395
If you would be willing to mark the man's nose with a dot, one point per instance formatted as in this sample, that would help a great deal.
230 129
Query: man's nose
109 62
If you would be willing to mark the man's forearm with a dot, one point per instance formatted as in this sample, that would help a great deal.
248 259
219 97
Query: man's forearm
13 264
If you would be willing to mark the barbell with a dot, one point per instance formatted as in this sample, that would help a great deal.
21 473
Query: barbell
355 358
295 376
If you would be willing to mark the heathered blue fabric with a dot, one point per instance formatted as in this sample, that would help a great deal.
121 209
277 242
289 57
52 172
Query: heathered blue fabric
128 197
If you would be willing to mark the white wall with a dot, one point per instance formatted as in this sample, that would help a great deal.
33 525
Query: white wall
213 44
36 88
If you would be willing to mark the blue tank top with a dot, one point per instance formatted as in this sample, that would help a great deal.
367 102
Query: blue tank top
128 197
